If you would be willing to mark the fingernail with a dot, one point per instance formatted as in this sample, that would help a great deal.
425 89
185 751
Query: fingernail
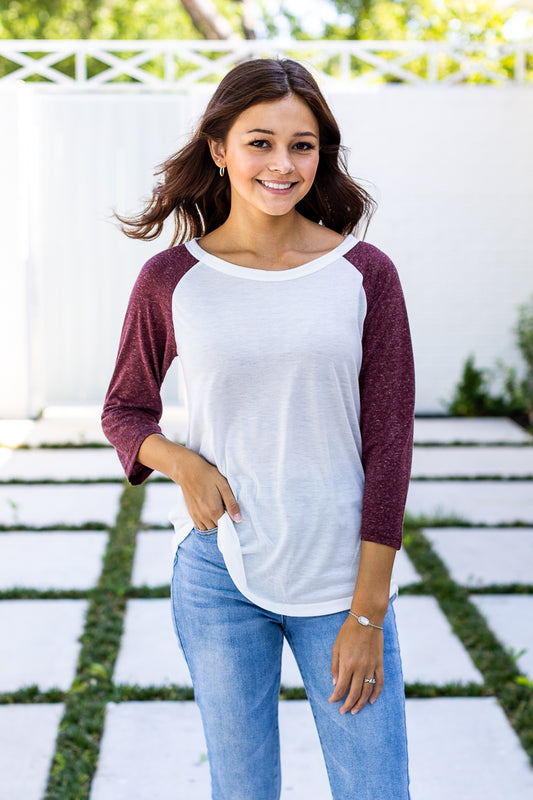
355 710
237 518
334 681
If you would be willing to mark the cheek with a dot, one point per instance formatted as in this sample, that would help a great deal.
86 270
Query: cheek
311 167
247 166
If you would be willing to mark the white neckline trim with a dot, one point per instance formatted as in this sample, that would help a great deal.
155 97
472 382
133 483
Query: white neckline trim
254 274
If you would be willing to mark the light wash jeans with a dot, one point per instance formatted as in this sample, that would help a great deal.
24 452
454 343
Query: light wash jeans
233 650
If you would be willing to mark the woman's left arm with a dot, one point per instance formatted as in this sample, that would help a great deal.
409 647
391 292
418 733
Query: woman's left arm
387 392
358 649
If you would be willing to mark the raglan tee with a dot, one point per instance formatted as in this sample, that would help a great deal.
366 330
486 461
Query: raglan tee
300 390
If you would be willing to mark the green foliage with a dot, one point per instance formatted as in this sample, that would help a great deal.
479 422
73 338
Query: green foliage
102 19
524 333
459 22
474 395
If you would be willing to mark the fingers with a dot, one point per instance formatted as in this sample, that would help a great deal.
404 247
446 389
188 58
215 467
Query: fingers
228 498
335 667
378 686
355 690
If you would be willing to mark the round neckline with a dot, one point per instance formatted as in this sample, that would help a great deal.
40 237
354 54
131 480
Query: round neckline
253 273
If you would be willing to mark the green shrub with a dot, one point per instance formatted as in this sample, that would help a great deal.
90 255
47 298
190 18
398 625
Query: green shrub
474 395
524 334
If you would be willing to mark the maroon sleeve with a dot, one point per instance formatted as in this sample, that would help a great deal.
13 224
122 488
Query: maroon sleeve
387 390
132 407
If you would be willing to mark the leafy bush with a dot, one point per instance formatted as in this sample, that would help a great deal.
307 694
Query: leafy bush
474 395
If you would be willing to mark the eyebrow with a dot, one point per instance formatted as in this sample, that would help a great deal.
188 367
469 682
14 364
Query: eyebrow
271 133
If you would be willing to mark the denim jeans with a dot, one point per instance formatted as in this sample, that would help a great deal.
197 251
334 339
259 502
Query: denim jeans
233 650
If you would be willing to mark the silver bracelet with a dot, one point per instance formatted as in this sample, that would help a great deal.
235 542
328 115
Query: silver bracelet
365 621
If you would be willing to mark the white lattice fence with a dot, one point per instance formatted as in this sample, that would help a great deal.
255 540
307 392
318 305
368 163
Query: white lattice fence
95 65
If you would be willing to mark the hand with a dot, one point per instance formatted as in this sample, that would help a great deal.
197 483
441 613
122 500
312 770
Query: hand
357 654
207 493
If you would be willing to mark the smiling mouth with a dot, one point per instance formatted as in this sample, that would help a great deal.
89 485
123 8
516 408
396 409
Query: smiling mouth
278 186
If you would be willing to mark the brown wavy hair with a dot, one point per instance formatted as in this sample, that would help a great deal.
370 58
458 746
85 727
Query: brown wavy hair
192 190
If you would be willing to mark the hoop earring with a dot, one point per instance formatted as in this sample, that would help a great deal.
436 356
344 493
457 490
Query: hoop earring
221 171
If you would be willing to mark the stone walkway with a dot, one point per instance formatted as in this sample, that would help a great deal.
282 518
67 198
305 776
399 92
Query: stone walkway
57 506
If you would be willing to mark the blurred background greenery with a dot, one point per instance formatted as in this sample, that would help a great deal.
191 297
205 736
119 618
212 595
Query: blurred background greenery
460 22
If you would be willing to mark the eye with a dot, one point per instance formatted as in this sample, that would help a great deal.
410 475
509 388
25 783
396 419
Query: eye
304 146
259 143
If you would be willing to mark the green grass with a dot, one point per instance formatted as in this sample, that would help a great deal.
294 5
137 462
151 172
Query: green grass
81 728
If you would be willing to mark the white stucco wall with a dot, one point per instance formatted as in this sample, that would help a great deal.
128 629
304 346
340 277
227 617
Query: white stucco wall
450 167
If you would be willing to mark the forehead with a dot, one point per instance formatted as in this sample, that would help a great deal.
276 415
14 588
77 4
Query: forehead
288 115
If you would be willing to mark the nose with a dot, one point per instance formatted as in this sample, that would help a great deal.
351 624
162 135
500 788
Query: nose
281 161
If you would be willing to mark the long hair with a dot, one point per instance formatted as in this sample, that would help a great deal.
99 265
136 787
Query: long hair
192 190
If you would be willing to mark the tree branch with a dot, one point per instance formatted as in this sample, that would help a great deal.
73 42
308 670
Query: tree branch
208 20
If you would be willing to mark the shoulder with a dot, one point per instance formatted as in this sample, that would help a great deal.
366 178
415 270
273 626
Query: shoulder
370 260
163 271
158 278
378 270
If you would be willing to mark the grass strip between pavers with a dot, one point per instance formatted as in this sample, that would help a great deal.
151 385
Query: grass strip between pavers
500 673
81 728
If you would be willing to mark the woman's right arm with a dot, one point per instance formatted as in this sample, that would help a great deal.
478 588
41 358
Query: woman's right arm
207 493
133 407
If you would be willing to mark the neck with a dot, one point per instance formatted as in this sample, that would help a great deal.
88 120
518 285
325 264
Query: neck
262 234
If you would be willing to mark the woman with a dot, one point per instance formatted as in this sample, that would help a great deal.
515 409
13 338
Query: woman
297 360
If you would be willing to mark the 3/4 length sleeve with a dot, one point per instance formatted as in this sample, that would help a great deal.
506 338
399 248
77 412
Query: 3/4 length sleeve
387 390
133 407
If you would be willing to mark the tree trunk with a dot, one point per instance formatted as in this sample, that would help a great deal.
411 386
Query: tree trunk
208 20
248 18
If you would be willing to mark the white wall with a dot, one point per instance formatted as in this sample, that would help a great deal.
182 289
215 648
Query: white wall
449 166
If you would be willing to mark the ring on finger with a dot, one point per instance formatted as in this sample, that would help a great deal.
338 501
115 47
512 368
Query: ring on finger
369 680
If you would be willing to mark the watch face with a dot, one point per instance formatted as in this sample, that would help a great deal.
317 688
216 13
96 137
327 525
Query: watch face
364 620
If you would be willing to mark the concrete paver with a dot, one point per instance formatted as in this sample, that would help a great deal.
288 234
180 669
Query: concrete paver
425 634
404 572
159 500
39 643
70 464
149 654
53 505
27 737
483 556
484 502
55 560
152 564
169 761
456 430
510 618
464 748
472 462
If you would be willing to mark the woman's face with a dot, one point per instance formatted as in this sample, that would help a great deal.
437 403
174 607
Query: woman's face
271 155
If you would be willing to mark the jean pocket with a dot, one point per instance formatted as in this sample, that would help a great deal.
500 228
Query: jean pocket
206 534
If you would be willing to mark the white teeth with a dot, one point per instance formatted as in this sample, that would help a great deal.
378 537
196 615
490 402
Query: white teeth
272 185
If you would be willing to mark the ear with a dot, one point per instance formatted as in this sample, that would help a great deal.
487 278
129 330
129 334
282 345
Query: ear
217 152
